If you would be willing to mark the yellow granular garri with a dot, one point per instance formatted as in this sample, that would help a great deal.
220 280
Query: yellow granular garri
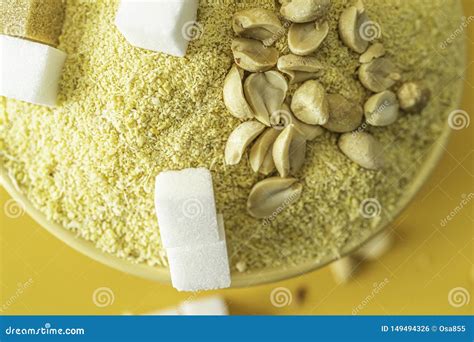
37 20
125 114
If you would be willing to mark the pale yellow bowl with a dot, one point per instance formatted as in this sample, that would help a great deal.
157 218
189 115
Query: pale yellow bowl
238 280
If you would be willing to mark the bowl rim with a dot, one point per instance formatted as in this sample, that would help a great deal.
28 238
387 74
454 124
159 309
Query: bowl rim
246 279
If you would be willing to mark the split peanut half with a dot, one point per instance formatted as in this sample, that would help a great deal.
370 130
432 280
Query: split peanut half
351 23
289 151
382 109
272 195
253 56
261 151
239 139
234 98
363 149
374 51
258 23
299 68
309 103
378 75
303 11
304 39
265 93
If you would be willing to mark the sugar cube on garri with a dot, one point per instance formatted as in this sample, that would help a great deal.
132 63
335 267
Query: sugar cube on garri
204 267
158 25
30 71
185 207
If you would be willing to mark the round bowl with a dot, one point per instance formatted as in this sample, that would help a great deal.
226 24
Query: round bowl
162 275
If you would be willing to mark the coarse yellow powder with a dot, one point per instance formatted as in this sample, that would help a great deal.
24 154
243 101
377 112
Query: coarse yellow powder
126 114
38 20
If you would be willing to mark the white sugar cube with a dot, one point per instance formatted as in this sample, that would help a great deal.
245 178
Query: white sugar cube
158 25
210 306
185 207
195 268
30 71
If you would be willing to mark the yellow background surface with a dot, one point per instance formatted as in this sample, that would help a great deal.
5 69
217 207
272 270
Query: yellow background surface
41 275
